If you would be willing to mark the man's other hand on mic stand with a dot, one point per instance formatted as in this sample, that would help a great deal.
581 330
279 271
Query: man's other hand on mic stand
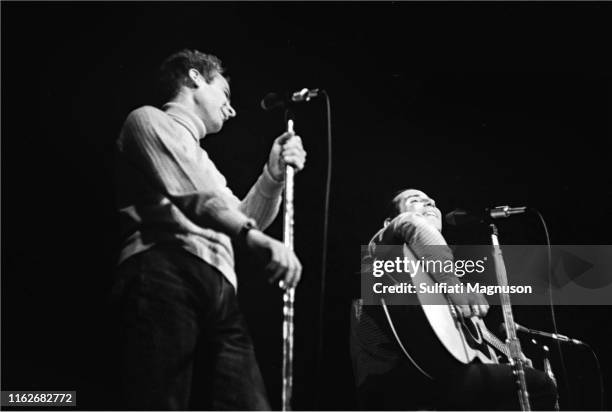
286 150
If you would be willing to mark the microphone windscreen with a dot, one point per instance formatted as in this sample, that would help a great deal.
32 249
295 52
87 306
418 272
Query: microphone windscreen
455 217
271 101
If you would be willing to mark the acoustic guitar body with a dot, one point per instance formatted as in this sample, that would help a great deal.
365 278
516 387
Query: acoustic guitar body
434 335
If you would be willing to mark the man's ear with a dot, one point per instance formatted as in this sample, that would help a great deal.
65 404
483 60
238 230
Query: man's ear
195 78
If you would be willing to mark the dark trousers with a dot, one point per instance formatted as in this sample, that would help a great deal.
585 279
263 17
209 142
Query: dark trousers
182 341
484 387
469 387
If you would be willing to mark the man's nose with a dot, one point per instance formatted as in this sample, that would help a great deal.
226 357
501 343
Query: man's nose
229 111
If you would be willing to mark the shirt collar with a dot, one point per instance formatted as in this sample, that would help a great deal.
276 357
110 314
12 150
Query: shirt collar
187 118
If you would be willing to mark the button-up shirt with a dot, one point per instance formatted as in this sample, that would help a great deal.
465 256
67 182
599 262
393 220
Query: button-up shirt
170 192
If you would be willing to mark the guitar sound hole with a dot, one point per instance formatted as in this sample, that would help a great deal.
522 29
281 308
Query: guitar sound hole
472 332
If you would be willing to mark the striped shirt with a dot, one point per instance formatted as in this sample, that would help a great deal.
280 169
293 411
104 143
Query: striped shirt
170 192
422 238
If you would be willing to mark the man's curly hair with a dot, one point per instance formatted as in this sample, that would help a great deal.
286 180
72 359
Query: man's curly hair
174 71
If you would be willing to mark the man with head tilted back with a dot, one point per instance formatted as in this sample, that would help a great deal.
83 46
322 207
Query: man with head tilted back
389 377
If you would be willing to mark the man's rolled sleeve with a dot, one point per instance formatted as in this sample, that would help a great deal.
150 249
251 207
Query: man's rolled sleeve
262 203
268 186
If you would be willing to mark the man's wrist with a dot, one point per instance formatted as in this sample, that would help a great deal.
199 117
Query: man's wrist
276 179
245 229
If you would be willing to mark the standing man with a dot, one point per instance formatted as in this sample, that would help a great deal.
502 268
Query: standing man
386 379
183 339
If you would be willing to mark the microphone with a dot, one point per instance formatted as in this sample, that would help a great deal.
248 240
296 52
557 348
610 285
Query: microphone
274 100
461 217
555 336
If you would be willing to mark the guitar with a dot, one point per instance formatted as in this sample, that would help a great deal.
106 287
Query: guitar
443 336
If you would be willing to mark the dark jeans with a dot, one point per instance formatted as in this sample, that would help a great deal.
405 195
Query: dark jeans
183 343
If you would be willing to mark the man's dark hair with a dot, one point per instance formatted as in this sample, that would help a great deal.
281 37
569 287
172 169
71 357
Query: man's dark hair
393 208
174 71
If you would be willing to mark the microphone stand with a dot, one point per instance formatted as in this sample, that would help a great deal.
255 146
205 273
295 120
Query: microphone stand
549 371
289 295
514 345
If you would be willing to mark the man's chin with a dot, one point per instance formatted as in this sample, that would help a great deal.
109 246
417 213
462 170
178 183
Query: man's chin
215 128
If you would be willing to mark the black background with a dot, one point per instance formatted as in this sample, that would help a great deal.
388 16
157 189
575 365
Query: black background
476 104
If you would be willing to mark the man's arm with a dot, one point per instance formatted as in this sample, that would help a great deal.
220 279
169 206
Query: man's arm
263 200
424 240
427 242
262 203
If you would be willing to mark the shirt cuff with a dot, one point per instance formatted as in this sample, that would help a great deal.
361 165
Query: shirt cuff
268 186
238 225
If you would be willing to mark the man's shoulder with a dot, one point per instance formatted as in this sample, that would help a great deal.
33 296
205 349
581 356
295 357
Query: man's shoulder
145 113
147 121
391 234
378 236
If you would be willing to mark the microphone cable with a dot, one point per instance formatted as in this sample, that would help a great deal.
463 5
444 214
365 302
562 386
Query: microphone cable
319 350
601 383
552 306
